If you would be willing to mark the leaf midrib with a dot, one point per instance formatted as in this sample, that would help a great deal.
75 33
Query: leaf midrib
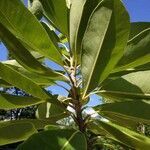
104 113
67 142
100 45
124 93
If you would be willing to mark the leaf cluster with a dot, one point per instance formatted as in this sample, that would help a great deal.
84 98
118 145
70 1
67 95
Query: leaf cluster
99 52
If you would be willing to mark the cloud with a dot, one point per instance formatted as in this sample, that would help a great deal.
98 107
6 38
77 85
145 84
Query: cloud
92 112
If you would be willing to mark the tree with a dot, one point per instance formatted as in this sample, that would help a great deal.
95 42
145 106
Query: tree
19 113
100 52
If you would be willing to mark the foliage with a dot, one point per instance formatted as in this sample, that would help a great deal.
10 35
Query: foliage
99 52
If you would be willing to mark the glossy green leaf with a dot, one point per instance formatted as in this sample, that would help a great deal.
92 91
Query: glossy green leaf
52 35
37 78
4 83
113 143
136 69
133 110
137 27
80 12
98 130
130 86
38 123
103 43
56 139
143 67
76 12
13 77
47 110
12 62
53 127
12 102
38 56
126 136
25 26
57 12
22 55
92 126
16 132
40 79
136 53
127 122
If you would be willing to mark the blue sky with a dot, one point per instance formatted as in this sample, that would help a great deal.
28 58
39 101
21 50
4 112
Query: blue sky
139 11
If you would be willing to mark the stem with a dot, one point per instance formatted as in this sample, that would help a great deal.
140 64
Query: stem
78 109
76 100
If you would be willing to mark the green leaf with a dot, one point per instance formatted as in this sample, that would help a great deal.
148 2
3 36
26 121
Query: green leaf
38 56
114 143
22 55
16 132
133 110
130 86
8 102
80 12
56 139
127 122
56 12
103 43
13 77
38 123
136 69
76 12
37 78
143 67
92 126
4 83
137 27
47 110
24 26
136 53
52 35
126 136
43 80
